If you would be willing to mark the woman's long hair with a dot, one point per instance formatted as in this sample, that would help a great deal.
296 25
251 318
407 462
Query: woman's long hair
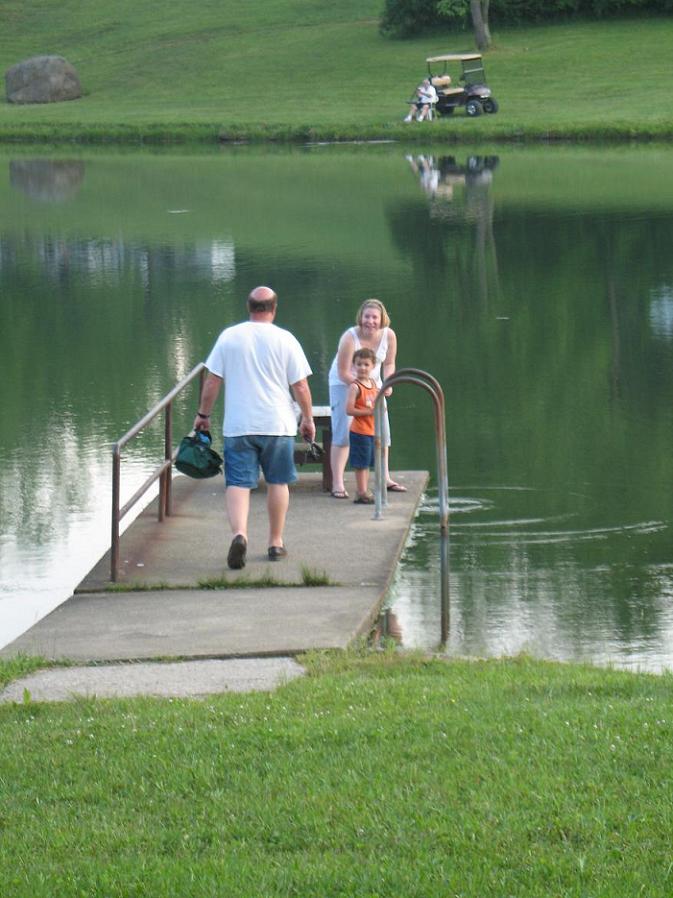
377 304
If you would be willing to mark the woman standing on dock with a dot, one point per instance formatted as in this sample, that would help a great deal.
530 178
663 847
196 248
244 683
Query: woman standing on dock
372 331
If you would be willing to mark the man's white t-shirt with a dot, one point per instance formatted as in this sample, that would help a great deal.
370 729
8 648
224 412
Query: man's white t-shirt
257 362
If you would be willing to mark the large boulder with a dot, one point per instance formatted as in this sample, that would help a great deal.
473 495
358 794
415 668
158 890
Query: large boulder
42 79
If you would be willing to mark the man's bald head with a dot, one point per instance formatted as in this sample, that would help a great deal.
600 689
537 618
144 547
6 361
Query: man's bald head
262 300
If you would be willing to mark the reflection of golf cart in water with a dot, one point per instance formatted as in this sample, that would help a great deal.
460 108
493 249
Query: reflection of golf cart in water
474 94
439 175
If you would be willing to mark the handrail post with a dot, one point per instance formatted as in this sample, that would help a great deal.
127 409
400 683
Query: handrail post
380 493
114 547
163 473
432 386
168 453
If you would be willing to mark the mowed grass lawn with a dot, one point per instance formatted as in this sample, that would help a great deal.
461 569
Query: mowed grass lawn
377 775
297 68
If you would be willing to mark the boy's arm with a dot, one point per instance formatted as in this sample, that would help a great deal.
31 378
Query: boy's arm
353 391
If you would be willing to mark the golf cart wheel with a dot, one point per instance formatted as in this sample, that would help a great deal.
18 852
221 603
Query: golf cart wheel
473 108
490 105
447 110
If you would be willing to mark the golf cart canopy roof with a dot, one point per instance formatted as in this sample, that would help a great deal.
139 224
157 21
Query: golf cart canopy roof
454 57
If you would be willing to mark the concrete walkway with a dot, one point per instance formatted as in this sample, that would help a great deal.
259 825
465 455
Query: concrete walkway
184 679
166 614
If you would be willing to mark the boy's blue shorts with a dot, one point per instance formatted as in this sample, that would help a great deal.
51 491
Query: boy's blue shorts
362 451
244 455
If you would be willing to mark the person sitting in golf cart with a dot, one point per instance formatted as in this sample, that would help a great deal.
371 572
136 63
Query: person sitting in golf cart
421 107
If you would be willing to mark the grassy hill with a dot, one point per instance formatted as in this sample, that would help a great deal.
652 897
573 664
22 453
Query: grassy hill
305 68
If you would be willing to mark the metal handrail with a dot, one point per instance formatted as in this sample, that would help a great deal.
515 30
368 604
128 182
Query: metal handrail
432 386
163 473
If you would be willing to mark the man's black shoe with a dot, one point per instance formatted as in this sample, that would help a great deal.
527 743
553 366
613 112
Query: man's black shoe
237 553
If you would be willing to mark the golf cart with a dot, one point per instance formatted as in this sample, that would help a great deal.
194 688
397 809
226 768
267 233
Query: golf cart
472 91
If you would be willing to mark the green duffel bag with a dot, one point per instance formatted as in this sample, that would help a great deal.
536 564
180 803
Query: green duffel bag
196 457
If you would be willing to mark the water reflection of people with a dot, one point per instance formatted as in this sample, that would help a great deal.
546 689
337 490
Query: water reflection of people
421 107
439 176
427 172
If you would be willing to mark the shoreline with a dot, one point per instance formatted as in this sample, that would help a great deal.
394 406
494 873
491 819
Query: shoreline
439 132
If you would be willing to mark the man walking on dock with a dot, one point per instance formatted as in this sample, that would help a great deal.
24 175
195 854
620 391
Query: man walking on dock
259 364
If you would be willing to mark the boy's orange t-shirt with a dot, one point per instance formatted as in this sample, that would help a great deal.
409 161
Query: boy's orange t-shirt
365 399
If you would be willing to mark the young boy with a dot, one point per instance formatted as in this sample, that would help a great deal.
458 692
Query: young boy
360 404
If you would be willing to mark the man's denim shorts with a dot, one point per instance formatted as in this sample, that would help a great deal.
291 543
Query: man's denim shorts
243 457
362 451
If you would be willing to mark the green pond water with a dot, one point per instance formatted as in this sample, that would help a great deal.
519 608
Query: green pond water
535 284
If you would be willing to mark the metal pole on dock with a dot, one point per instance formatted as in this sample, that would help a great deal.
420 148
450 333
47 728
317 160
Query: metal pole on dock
432 386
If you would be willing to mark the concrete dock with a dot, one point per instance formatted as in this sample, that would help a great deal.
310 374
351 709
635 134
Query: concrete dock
164 611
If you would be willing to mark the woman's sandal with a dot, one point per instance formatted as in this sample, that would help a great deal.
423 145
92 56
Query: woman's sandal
393 487
339 494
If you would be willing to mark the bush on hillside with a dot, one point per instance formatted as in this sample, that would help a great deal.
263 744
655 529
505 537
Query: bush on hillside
403 18
518 12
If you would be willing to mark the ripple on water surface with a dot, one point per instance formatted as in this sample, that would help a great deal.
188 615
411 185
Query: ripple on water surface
540 572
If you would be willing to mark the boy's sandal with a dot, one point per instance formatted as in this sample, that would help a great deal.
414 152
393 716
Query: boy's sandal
393 487
364 499
339 494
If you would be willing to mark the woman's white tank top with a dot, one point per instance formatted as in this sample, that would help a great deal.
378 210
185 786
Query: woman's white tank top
381 353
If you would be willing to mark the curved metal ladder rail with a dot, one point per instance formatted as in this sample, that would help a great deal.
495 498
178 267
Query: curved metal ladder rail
432 386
